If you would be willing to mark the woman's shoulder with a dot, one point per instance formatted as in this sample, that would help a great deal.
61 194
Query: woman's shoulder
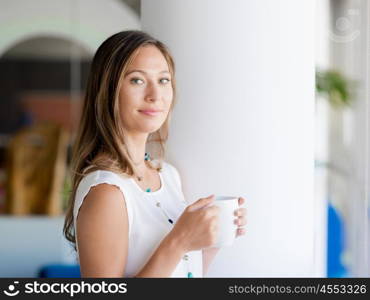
95 178
167 166
103 176
172 171
104 187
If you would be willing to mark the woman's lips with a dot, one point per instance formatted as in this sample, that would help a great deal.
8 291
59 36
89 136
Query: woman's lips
150 113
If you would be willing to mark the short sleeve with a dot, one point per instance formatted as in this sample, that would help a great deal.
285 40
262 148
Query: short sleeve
99 177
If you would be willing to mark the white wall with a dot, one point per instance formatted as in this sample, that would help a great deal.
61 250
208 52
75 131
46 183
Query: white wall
244 121
87 22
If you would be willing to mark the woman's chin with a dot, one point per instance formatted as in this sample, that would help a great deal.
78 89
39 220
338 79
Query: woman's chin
150 129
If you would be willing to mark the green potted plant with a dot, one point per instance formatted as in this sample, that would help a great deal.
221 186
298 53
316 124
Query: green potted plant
333 86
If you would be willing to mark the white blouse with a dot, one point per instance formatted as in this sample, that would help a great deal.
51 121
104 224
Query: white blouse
148 225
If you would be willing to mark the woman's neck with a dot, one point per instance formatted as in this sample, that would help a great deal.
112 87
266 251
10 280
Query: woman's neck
135 145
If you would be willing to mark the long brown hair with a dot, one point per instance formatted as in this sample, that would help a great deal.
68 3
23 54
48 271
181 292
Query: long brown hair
100 130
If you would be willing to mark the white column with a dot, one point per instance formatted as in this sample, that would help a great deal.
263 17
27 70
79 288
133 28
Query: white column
244 121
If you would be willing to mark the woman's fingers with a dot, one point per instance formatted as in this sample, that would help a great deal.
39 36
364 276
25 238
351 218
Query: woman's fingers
240 232
240 212
240 221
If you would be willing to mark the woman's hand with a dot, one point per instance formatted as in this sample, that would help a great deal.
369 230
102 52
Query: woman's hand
241 220
197 226
210 253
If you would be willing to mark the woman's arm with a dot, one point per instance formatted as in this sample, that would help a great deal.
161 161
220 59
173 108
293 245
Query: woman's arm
102 232
164 260
208 256
102 236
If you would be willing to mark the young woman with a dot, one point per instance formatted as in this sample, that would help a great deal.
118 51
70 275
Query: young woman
127 216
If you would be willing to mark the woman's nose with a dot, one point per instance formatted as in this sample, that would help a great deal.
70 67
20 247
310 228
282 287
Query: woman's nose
153 93
151 99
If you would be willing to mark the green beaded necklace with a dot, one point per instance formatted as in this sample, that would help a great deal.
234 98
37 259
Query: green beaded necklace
147 158
158 204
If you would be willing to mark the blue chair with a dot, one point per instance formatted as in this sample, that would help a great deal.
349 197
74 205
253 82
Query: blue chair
59 271
336 243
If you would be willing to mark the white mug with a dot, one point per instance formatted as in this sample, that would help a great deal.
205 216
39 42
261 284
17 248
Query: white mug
226 226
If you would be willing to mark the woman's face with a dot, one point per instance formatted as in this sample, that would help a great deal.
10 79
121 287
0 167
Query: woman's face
146 86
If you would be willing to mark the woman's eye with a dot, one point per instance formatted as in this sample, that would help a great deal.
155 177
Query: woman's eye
135 80
166 80
140 81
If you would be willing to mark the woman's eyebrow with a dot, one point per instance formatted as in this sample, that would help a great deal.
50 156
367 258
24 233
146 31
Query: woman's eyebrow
141 71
